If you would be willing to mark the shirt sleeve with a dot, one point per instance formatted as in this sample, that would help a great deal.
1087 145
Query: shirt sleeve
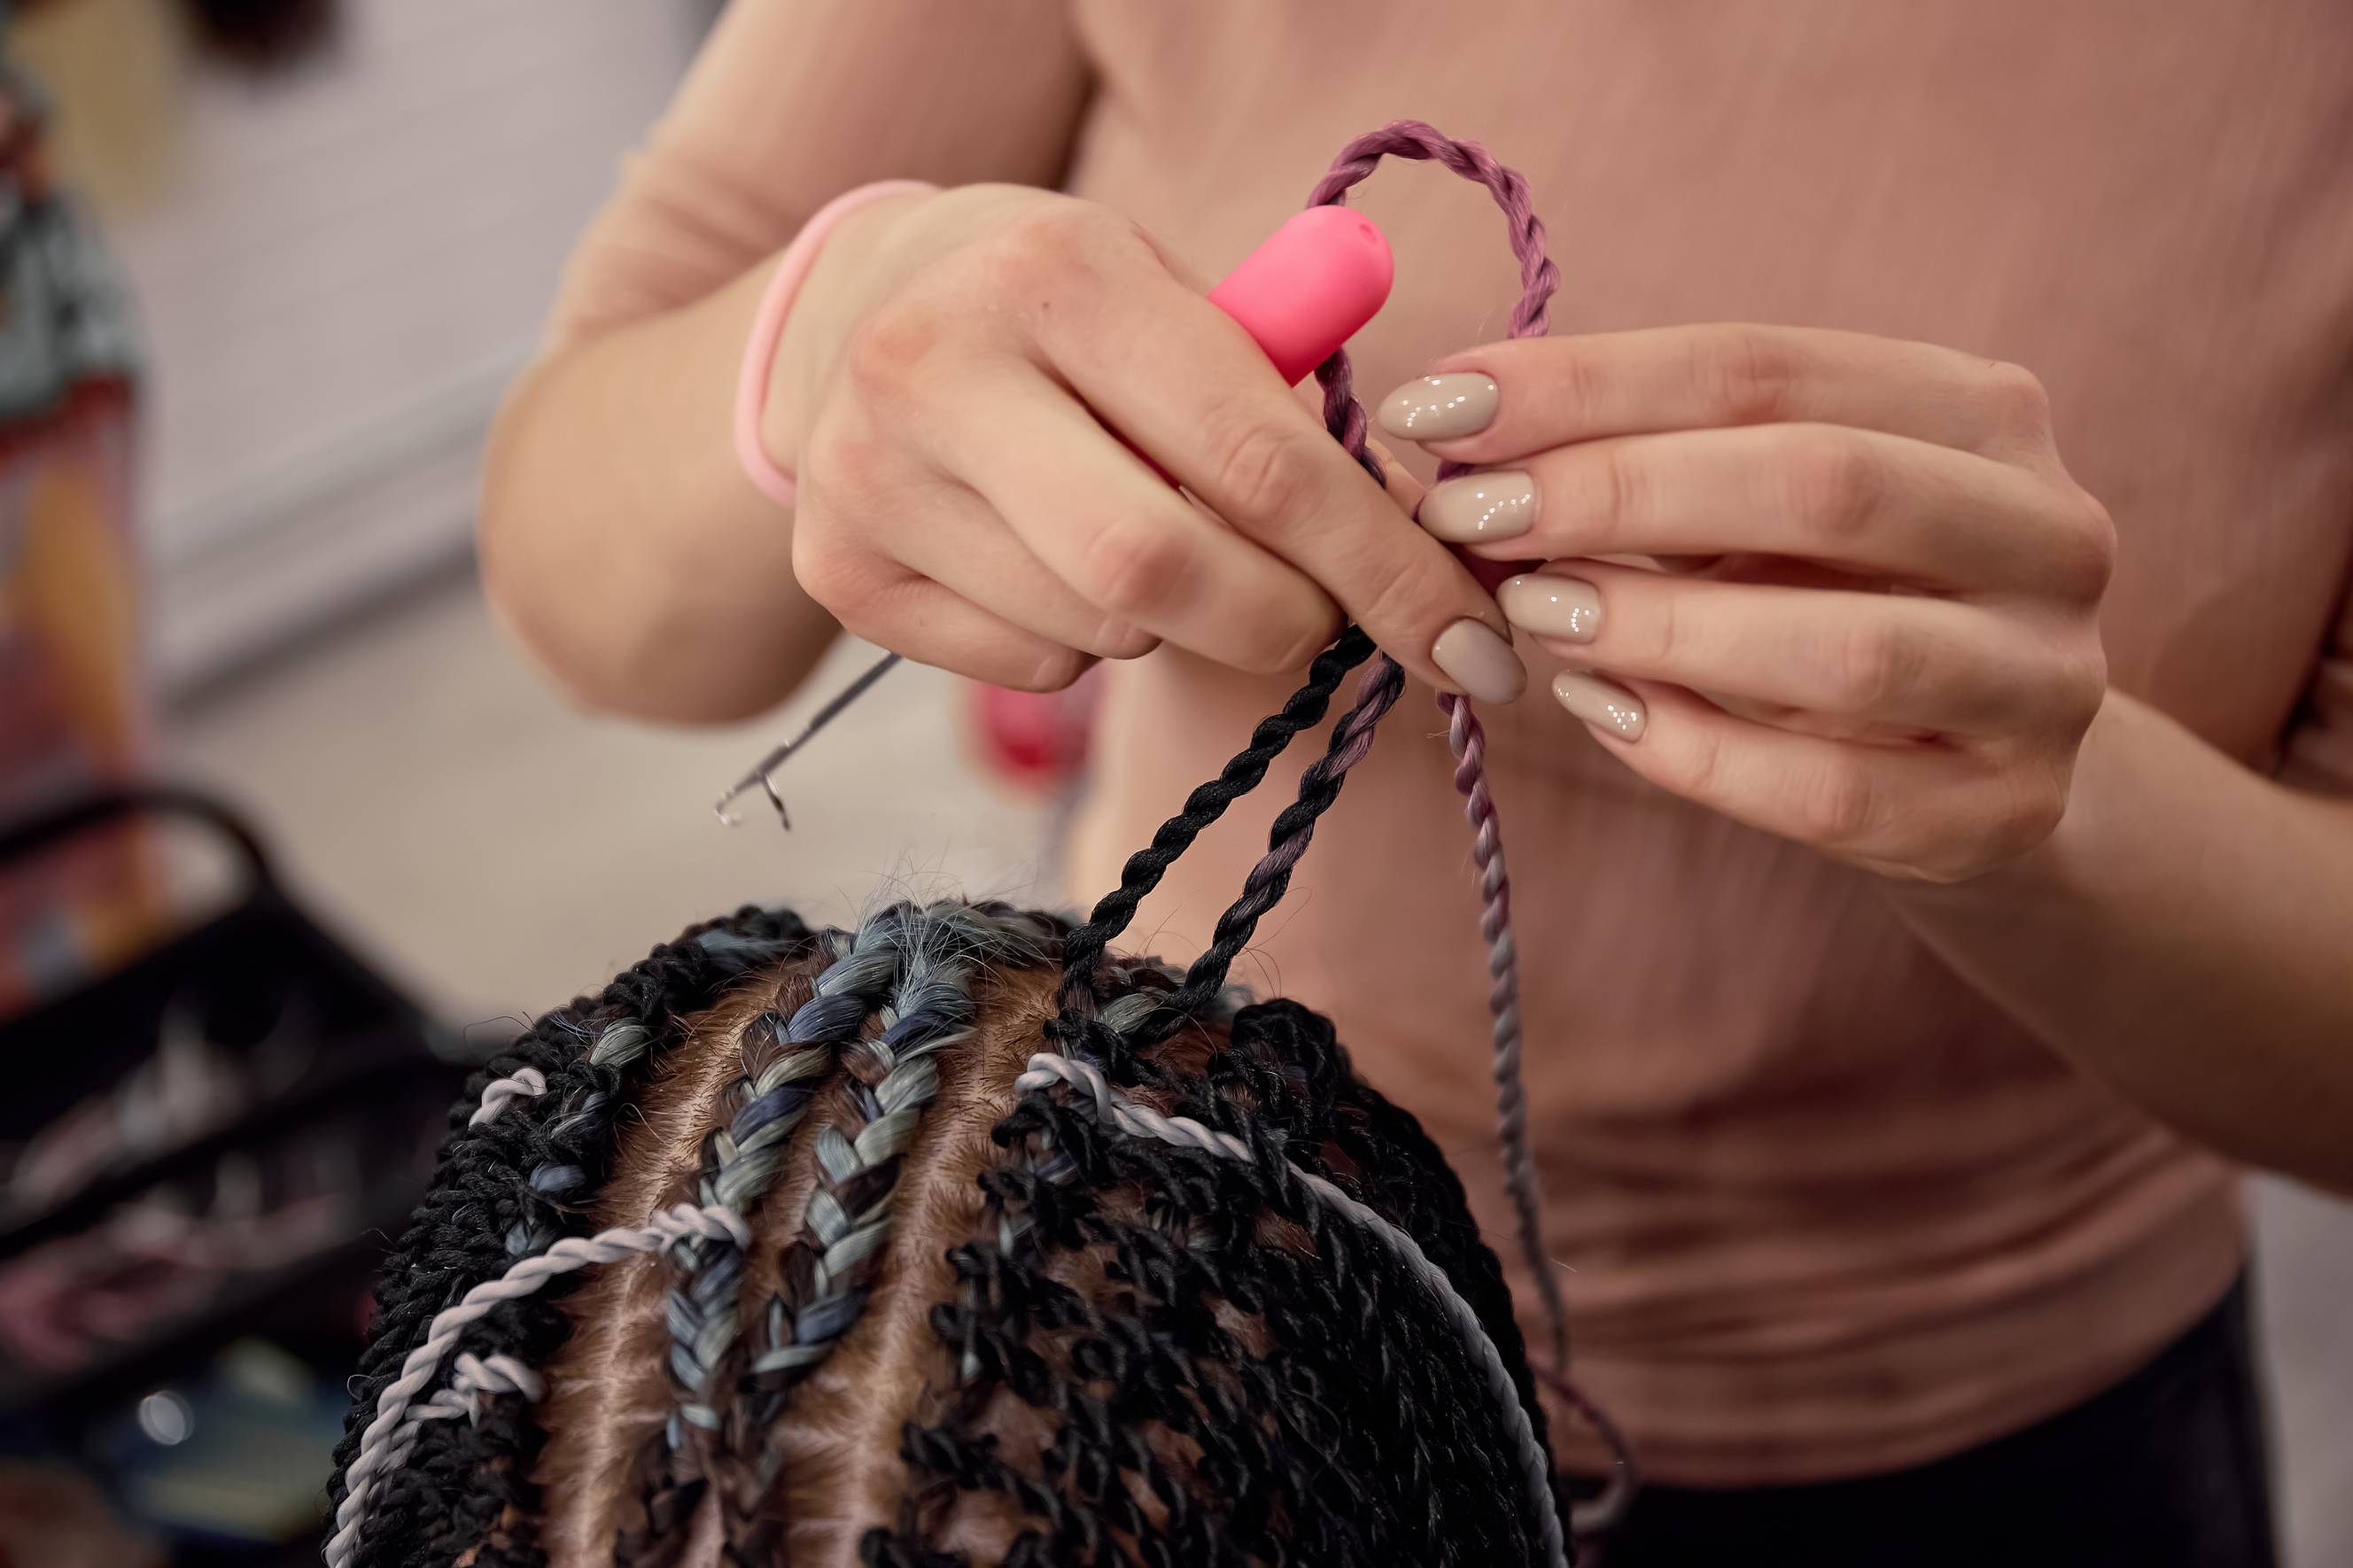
791 102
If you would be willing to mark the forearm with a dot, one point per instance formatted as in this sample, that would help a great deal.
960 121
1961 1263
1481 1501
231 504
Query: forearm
619 538
2187 936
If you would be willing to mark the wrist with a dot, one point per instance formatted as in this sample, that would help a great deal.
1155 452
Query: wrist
2128 744
804 311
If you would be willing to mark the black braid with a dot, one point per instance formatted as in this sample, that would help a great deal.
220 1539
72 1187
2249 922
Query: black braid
1224 1401
1294 825
1349 1440
1110 917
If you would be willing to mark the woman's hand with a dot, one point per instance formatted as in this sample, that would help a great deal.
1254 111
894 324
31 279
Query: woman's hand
952 391
1876 631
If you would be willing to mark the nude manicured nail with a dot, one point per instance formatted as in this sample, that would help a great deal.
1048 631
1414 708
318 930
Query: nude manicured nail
1560 607
1478 507
1481 663
1440 408
1600 704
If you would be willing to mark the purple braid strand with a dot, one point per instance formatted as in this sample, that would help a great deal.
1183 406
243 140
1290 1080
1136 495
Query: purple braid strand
1468 740
1412 138
1344 416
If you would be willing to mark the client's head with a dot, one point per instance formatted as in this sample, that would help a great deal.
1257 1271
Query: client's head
953 1258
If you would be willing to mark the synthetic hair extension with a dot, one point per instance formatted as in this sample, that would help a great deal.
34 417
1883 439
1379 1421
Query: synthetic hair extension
1208 803
385 1443
1188 1292
1270 1444
1344 416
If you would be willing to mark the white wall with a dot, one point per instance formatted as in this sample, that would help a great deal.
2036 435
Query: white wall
343 268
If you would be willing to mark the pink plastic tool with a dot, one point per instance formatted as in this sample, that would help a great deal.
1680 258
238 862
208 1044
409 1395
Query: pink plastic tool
1306 291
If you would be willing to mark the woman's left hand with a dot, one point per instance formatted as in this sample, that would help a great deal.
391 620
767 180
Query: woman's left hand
1870 623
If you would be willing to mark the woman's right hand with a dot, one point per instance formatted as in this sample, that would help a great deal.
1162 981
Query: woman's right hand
946 391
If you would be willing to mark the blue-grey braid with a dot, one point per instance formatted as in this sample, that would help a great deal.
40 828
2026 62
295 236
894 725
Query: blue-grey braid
784 1061
847 1222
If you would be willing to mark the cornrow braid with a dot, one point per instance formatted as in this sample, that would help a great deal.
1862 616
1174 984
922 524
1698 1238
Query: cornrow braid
848 1218
386 1441
785 1061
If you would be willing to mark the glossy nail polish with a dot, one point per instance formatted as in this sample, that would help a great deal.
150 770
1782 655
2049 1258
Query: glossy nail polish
1563 608
1599 703
1480 662
1479 507
1440 408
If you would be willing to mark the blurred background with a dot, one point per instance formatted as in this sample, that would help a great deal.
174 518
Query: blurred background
267 267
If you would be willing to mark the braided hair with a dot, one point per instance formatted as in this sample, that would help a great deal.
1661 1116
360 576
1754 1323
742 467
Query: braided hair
984 1319
1181 1288
960 1238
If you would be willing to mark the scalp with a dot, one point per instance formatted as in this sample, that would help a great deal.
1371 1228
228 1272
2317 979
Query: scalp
842 1471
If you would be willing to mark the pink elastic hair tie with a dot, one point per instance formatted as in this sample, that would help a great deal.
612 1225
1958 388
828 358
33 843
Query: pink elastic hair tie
768 329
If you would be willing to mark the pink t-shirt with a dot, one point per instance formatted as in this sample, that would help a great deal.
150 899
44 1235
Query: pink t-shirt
1824 1208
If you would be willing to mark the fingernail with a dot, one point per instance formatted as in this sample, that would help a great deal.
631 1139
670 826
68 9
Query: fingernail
1600 704
1437 407
1481 663
1550 606
1478 507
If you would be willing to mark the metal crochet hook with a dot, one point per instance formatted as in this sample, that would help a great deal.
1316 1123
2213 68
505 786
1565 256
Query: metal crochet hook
762 775
1300 295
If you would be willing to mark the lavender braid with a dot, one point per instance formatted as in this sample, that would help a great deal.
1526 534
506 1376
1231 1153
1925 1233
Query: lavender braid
388 1437
1411 139
1468 740
1344 416
847 1225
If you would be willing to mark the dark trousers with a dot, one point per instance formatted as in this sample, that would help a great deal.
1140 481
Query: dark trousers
2166 1469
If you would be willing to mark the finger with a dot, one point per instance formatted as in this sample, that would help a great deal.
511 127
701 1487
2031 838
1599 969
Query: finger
1526 396
1922 663
916 617
1122 539
1854 499
877 597
1217 418
1936 813
961 543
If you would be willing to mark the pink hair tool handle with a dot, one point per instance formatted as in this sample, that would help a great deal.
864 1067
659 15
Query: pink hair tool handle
1307 290
1302 294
